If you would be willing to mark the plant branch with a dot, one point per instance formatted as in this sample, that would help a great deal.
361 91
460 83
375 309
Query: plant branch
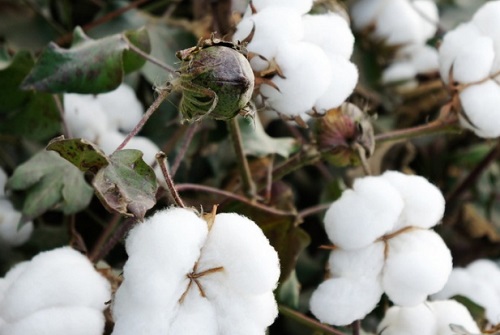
314 210
150 58
161 158
307 321
116 236
307 156
94 255
154 106
60 108
185 145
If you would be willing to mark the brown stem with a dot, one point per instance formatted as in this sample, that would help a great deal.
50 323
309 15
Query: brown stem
356 327
185 145
308 155
314 210
307 321
94 255
154 106
117 235
161 158
150 58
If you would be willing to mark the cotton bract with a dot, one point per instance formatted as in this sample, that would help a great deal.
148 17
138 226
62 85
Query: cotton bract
475 65
311 52
58 292
382 244
184 278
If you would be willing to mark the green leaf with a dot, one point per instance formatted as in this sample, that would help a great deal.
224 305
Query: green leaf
89 66
289 291
50 182
256 142
127 185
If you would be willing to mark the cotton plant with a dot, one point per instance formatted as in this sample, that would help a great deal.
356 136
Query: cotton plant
188 274
478 282
11 233
429 318
382 244
469 60
307 53
58 292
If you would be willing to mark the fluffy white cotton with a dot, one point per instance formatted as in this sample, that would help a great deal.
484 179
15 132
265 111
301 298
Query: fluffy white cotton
340 301
300 6
416 320
423 202
398 72
474 62
418 264
304 66
57 292
451 312
84 116
480 103
425 59
365 262
122 108
195 316
363 214
10 232
109 141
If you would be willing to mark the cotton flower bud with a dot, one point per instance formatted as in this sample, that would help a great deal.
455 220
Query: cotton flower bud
342 131
216 80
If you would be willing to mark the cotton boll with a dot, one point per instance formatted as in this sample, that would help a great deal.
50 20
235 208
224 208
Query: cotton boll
274 26
451 312
364 12
417 320
84 116
460 282
425 59
418 264
424 202
429 17
486 19
364 262
363 214
474 62
10 232
74 320
123 109
331 32
10 277
60 277
453 45
480 103
306 69
251 264
343 80
400 71
340 301
487 270
300 6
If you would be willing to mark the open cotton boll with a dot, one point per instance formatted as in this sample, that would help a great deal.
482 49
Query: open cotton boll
400 72
480 103
329 31
274 26
364 12
10 232
424 202
307 70
363 214
474 62
452 312
123 109
428 13
340 301
60 277
416 320
486 19
343 81
488 270
365 262
424 58
418 264
84 116
300 6
251 264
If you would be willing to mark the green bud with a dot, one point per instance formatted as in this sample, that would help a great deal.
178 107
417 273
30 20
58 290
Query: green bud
216 80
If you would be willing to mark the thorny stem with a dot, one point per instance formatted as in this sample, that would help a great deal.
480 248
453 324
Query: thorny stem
307 321
150 58
246 176
161 158
185 145
474 174
154 106
60 108
94 255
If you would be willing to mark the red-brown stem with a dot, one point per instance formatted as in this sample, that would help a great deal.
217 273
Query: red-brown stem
161 158
307 321
94 255
185 145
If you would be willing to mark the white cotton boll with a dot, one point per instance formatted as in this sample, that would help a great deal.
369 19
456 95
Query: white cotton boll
300 6
84 116
364 12
453 45
343 81
460 282
451 312
11 276
424 202
60 277
480 103
487 270
274 26
418 264
109 141
340 301
486 19
74 320
474 62
307 71
363 214
331 32
399 71
427 11
416 320
251 264
10 233
123 109
365 262
425 59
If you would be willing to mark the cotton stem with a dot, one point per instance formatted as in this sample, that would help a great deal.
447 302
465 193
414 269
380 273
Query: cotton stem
161 158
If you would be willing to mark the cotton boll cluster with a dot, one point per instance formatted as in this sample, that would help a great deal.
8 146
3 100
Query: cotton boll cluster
11 235
185 275
380 230
429 318
470 57
408 31
479 282
308 54
58 292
